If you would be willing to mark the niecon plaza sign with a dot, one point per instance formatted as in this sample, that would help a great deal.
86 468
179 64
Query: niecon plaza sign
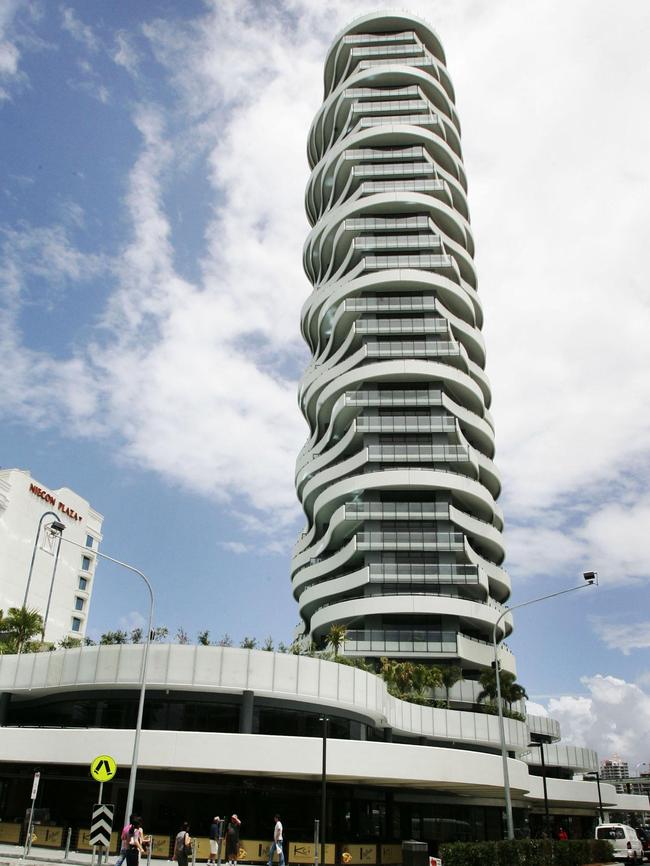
52 500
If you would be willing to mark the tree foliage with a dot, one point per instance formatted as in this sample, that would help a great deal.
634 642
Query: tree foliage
450 675
113 637
336 637
511 690
18 628
409 681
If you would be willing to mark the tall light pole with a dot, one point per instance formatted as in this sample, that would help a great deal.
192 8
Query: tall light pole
143 675
590 577
59 527
596 775
323 790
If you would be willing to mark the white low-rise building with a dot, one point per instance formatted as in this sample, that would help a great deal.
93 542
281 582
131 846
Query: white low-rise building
59 585
233 730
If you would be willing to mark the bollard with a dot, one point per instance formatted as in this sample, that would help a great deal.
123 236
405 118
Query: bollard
316 840
68 839
193 852
149 850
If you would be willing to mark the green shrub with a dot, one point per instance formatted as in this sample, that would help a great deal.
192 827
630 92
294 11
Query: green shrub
527 852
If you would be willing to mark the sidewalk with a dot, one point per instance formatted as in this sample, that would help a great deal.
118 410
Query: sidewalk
13 854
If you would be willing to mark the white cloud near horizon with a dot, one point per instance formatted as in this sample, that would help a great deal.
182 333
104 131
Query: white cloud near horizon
623 636
614 719
10 73
197 379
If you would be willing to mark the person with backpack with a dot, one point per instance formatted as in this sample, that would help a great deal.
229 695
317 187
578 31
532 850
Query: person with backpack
182 845
124 841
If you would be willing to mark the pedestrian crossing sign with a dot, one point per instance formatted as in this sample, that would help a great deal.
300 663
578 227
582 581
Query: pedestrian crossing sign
103 768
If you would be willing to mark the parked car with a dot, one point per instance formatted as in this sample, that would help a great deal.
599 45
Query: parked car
627 845
644 838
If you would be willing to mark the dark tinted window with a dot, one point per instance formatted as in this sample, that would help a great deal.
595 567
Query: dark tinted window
610 833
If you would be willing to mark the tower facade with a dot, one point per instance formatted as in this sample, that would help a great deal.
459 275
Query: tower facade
403 540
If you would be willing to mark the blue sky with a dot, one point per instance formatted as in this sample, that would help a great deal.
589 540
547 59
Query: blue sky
151 224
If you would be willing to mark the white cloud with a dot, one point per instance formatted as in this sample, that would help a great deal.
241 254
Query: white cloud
124 54
237 547
79 31
535 709
10 73
558 218
615 719
626 636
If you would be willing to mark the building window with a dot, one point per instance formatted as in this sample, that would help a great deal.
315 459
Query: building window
89 541
76 623
78 603
85 563
83 582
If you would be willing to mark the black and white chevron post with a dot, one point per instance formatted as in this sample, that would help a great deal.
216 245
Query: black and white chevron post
101 825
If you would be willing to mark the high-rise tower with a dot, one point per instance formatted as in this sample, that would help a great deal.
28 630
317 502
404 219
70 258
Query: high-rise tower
403 541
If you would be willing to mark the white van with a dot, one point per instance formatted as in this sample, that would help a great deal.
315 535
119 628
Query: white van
626 843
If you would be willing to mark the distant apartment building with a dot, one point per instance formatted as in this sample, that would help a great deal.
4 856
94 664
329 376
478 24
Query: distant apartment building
613 769
27 511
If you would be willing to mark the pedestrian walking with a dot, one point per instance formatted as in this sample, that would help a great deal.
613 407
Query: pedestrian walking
232 839
215 838
135 844
124 841
276 844
182 845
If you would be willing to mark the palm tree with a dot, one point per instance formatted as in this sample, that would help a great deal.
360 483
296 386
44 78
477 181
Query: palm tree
449 676
514 693
336 637
23 624
511 690
425 677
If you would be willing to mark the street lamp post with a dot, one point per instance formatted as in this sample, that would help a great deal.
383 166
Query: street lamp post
143 675
323 790
57 527
56 524
535 744
596 775
590 577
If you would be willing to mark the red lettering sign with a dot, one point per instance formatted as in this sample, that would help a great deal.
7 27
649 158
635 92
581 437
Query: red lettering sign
51 500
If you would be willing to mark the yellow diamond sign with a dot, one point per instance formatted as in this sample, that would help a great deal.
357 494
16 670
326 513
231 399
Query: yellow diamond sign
103 768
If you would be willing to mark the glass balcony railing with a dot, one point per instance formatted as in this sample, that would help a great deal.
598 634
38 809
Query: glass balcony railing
409 223
386 106
397 242
406 423
414 349
357 153
396 169
402 640
397 510
369 187
407 397
441 453
404 303
387 50
364 38
402 325
377 540
381 572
